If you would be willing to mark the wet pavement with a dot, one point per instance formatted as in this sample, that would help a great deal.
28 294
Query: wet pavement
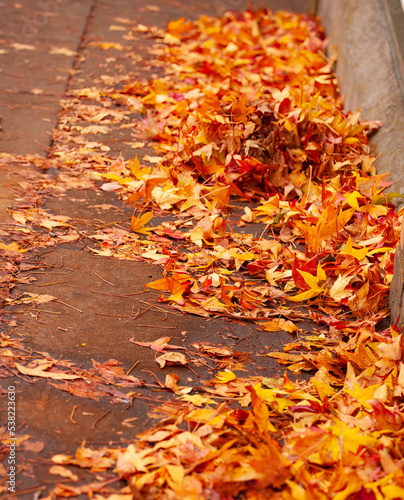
102 303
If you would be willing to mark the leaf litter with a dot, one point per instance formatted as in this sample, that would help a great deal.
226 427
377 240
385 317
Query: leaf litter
248 108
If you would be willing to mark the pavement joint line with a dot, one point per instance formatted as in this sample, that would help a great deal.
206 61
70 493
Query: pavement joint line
28 92
82 45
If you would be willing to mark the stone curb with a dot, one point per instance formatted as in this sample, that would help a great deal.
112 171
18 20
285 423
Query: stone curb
370 72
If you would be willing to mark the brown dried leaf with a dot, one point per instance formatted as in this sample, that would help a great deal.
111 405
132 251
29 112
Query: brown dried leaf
172 358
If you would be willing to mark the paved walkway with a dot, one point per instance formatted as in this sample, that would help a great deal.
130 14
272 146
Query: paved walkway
38 51
47 48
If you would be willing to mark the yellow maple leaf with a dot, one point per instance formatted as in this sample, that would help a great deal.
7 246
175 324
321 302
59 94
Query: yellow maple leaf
160 284
168 196
12 247
352 199
328 224
349 250
176 472
316 284
270 207
353 438
392 492
139 173
197 399
177 289
272 398
308 294
225 377
322 388
206 416
362 394
278 325
138 223
314 281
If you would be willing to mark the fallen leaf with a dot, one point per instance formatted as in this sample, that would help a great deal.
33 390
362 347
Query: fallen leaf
110 186
34 446
171 358
107 45
42 371
137 224
62 51
22 46
225 377
278 325
64 472
158 345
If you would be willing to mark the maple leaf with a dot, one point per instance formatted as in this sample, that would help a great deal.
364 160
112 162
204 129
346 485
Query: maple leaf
107 45
323 390
167 196
12 247
349 250
273 399
171 358
160 284
197 399
338 290
328 224
136 171
361 394
225 377
260 414
32 297
178 28
277 325
316 284
138 223
158 344
178 286
42 370
240 110
64 472
392 491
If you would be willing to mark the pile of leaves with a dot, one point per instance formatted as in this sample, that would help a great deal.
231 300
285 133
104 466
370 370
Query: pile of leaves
248 109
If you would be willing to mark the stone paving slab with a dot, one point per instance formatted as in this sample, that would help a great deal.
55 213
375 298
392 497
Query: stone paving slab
23 70
28 121
105 326
38 44
25 21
